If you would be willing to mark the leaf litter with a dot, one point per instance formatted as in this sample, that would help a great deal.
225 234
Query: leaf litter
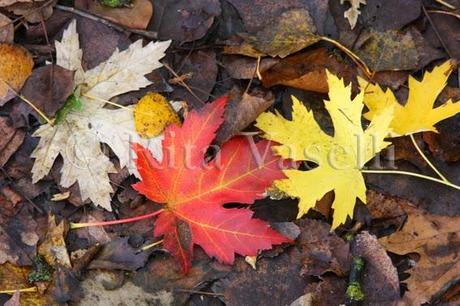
104 92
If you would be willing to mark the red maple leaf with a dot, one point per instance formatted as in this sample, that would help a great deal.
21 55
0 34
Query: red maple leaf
194 191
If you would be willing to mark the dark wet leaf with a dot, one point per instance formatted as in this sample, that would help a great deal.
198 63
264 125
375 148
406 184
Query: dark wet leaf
192 19
242 109
10 140
48 88
119 254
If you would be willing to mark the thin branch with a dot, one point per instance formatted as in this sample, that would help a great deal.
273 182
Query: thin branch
183 84
435 30
448 5
146 34
444 13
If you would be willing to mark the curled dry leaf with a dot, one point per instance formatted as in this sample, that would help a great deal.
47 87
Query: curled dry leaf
136 17
15 67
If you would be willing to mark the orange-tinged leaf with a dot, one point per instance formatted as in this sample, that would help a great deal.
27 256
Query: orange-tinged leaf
15 67
194 191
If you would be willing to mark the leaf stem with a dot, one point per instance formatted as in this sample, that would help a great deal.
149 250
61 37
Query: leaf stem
31 289
108 102
426 159
412 174
361 64
119 221
42 114
151 245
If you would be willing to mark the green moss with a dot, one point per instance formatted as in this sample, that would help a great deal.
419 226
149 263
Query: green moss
41 270
354 292
358 262
116 3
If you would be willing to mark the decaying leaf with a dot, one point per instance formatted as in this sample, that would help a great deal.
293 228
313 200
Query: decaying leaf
48 88
435 239
152 114
194 191
137 17
340 158
15 278
77 138
418 114
10 140
353 12
306 70
293 31
15 67
242 109
6 30
53 248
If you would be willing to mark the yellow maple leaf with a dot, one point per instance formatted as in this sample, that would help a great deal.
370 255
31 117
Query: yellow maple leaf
417 114
340 158
152 114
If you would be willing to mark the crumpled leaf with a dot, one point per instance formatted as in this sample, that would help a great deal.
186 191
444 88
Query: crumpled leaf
417 114
152 114
293 31
353 12
78 138
15 67
339 158
194 191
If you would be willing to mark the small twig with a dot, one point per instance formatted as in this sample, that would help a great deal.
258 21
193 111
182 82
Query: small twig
448 5
146 34
444 13
199 292
151 245
182 83
435 30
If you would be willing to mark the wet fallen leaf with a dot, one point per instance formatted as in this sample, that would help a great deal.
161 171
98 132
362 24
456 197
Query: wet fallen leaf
297 143
15 278
10 140
193 208
382 15
48 88
418 114
15 300
242 67
202 65
242 109
53 247
18 237
292 31
380 282
307 71
192 19
435 239
77 139
135 17
119 254
15 67
152 114
6 30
